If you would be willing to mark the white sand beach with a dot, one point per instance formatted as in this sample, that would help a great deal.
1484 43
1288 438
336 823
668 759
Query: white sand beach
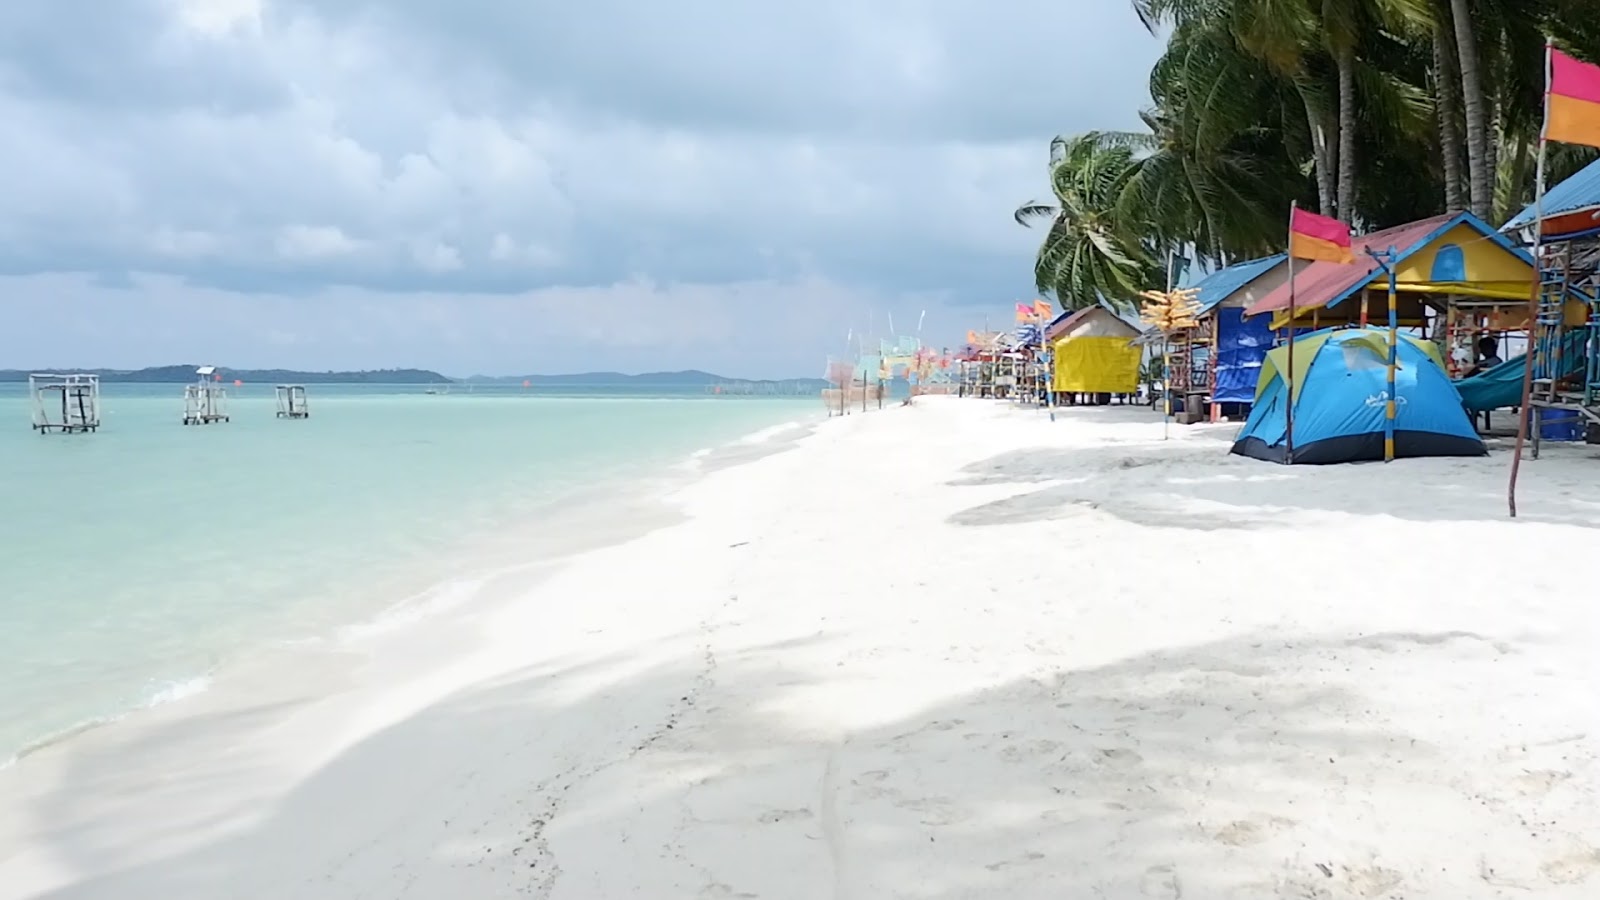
952 650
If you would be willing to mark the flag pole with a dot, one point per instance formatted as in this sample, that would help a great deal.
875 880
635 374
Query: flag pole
1288 379
1533 295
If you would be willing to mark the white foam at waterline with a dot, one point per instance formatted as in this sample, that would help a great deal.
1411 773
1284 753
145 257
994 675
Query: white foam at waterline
169 692
178 690
767 434
431 602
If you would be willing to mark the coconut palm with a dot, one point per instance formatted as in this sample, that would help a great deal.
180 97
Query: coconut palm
1090 251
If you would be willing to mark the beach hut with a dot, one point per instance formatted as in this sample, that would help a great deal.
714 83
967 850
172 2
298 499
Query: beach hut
1234 346
1092 352
1455 264
1339 400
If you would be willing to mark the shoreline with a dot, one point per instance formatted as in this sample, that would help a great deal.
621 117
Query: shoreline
623 506
855 668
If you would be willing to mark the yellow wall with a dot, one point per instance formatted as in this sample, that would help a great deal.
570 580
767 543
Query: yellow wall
1487 262
1096 365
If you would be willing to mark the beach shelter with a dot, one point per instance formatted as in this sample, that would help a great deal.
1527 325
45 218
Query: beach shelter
1340 395
1092 352
1239 343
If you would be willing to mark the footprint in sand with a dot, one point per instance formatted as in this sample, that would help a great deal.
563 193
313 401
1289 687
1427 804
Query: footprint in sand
1024 859
1120 757
1029 750
1572 868
1161 881
784 815
1245 832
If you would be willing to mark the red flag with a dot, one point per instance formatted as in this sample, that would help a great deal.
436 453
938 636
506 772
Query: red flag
1318 237
1573 102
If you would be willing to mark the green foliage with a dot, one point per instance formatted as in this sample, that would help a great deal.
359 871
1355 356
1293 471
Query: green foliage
1251 114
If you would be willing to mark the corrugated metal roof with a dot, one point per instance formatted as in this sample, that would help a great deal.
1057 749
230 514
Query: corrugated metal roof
1325 284
1224 283
1576 194
1066 321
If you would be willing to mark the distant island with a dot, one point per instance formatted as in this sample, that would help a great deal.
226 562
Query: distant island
186 373
171 374
690 378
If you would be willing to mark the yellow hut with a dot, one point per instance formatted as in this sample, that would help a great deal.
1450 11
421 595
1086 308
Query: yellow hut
1092 353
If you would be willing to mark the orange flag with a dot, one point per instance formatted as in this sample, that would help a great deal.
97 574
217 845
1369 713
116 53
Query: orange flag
1043 309
972 337
1318 237
1573 102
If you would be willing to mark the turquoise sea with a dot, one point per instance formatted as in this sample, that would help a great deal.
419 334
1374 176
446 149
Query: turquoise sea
140 558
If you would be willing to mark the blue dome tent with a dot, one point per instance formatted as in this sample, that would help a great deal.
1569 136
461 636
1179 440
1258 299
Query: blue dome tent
1340 394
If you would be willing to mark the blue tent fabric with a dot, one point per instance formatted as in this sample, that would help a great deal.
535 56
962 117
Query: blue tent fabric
1339 416
1242 345
1224 283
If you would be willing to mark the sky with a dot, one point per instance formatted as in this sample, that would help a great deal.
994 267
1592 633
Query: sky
517 186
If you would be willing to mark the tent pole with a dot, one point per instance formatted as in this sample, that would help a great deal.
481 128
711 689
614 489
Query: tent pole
1288 409
1394 351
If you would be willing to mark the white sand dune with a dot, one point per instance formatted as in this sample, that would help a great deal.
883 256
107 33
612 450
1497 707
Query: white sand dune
955 650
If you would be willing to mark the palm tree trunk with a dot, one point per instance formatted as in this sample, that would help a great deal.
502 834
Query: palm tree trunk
1321 165
1347 138
1480 175
1447 102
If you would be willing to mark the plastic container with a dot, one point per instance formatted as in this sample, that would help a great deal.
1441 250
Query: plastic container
1560 425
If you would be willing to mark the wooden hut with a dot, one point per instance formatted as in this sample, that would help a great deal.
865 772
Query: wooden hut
1452 270
1092 352
1222 356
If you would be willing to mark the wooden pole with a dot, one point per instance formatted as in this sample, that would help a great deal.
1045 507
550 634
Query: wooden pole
1533 295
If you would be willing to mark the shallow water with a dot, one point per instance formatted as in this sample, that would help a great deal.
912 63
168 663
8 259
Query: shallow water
140 558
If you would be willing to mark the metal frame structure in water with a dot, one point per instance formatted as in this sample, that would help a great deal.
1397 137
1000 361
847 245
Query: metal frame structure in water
205 401
65 404
292 402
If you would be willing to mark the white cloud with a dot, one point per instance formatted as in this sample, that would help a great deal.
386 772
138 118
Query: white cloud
310 242
870 151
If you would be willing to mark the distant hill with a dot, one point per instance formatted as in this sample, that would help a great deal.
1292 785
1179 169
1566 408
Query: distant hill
690 378
170 374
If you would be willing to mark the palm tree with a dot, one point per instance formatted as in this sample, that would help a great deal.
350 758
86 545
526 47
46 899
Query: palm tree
1089 252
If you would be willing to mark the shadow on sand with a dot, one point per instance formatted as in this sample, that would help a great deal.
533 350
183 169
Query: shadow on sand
1205 771
1194 483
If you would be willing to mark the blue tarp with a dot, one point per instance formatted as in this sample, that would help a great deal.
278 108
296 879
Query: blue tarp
1224 283
1242 344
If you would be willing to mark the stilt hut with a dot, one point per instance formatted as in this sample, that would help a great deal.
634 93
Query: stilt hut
1564 396
1456 277
1217 363
1092 353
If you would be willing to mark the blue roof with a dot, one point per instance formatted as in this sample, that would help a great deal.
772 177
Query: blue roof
1224 283
1578 193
